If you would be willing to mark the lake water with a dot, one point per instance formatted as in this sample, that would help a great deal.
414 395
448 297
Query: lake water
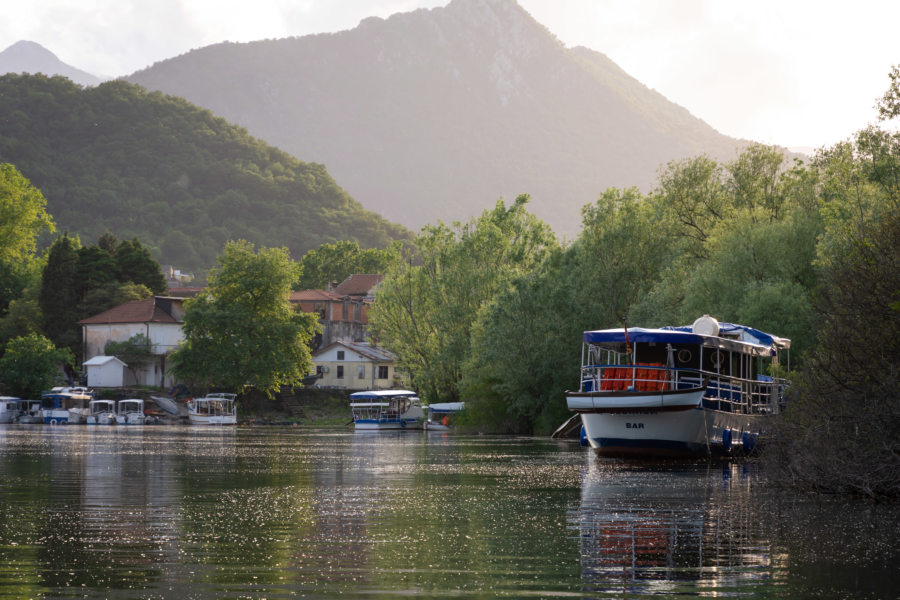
182 512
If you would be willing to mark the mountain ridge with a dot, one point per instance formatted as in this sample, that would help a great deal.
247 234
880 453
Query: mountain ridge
117 158
437 113
30 57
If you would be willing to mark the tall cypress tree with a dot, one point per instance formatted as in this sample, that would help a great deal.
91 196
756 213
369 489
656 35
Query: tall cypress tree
59 295
137 265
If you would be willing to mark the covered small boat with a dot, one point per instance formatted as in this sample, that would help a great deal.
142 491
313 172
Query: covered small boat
130 412
378 410
213 409
442 415
10 409
101 412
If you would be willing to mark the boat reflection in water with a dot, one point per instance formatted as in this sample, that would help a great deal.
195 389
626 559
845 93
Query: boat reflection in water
659 528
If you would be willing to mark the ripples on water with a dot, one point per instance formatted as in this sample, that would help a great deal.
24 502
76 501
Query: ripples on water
158 512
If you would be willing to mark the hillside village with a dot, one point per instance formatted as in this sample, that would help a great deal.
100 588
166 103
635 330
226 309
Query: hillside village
344 356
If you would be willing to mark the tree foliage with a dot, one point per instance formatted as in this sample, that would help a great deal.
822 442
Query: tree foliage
23 218
31 364
243 332
335 262
135 352
427 304
154 167
82 281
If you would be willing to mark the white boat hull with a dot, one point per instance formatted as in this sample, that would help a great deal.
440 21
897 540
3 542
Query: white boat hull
56 416
212 419
387 424
670 424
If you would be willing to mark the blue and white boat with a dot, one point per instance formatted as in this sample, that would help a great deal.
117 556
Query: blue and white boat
697 390
65 405
386 409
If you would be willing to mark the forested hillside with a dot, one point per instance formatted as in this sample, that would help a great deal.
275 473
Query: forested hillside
143 165
436 114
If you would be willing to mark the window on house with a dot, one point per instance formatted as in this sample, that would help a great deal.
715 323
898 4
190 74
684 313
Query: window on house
340 371
356 312
383 372
340 354
361 372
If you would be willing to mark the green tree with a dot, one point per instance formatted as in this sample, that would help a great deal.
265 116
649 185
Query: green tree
23 218
335 262
243 332
31 364
137 265
59 296
526 342
426 305
135 352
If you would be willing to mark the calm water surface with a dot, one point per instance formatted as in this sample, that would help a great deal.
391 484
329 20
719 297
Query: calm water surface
166 512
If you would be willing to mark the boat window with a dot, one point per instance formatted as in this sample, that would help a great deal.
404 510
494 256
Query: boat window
684 355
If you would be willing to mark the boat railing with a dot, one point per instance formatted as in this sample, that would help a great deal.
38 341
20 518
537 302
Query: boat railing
762 395
642 377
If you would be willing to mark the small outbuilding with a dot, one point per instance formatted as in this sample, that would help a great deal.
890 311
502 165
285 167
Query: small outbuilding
105 371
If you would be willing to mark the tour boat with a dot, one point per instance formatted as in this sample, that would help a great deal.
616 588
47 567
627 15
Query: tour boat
10 409
57 403
101 412
702 389
378 410
130 412
442 415
213 409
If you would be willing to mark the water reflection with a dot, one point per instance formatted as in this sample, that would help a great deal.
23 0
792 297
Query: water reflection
158 512
671 528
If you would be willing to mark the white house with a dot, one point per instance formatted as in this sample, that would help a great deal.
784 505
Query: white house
355 366
105 371
159 318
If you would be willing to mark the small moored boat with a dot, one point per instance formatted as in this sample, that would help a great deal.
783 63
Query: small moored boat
130 412
694 390
213 409
378 410
10 409
442 415
101 412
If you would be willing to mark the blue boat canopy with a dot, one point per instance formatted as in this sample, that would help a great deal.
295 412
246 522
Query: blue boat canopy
759 337
730 334
639 335
381 395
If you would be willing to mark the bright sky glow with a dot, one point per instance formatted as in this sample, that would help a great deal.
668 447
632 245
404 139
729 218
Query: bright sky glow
797 73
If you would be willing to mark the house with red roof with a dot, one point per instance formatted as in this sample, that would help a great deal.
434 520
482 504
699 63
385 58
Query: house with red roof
342 310
159 318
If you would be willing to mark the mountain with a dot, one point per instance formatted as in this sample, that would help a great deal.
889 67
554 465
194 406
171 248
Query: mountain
117 158
435 114
30 57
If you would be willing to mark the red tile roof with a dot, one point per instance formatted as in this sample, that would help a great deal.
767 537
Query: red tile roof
357 285
136 311
314 296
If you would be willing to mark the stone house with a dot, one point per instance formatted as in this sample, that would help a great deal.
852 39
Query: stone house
159 318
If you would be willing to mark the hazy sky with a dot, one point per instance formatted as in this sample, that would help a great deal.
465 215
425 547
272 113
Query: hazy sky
798 73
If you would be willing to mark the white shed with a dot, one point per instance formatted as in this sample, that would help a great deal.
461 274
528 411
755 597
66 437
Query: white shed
105 371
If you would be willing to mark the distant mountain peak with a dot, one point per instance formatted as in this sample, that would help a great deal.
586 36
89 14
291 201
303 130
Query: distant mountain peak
30 57
437 113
